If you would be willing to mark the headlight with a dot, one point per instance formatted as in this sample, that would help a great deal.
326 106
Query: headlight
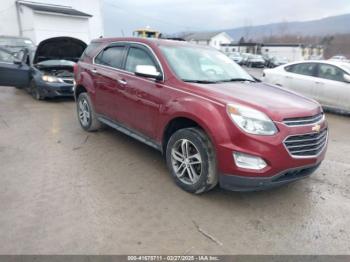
51 79
251 121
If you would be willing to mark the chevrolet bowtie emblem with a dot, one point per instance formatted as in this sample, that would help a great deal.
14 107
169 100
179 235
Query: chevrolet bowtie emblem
316 128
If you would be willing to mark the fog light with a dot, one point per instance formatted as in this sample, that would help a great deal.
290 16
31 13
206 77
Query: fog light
248 161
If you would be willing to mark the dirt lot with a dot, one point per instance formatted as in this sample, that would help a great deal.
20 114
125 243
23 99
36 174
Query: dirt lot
64 191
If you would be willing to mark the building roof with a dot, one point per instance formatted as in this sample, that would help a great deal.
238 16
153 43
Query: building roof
58 9
201 36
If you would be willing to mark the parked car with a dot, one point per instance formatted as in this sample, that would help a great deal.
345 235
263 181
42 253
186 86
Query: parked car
51 72
213 126
245 57
328 82
275 61
255 61
236 57
339 58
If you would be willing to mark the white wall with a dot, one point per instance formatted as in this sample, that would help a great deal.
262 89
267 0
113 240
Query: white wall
9 25
8 18
219 39
289 52
46 26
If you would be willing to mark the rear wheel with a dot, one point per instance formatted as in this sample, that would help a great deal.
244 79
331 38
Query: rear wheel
191 160
86 113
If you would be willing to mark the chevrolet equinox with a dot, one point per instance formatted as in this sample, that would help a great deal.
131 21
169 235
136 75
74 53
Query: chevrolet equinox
212 121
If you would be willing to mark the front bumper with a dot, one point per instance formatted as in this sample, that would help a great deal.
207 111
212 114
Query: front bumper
51 90
282 167
244 184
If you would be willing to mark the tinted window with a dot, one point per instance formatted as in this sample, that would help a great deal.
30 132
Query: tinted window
137 56
90 50
330 72
307 69
112 56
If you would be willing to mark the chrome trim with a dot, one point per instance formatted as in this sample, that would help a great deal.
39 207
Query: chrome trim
122 70
306 157
322 119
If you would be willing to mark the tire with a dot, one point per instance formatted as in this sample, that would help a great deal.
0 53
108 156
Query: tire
86 113
197 177
34 91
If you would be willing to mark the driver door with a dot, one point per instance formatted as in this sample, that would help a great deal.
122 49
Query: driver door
13 69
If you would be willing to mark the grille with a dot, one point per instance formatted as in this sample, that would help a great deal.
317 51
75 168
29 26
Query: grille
68 80
302 121
306 145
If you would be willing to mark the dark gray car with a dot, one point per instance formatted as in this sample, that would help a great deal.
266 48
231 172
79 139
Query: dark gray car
50 73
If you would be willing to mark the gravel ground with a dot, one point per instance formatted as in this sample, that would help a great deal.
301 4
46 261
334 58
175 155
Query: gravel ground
65 191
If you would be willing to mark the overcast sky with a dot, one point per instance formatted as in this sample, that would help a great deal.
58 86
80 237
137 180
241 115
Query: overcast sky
171 16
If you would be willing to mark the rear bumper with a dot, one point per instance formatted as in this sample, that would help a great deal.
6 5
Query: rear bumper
244 184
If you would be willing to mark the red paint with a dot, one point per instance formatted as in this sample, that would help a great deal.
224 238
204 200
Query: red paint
148 106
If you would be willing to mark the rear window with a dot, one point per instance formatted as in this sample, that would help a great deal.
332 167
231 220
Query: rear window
307 69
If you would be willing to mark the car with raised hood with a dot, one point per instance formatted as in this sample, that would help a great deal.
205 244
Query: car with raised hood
328 82
212 121
51 71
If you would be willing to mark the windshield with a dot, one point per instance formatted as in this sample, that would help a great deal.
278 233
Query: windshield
200 64
9 56
56 63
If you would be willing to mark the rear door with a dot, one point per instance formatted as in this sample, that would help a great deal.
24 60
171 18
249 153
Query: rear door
332 89
302 78
13 69
107 80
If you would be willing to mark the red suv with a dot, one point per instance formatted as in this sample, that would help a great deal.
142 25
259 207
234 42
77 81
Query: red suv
213 122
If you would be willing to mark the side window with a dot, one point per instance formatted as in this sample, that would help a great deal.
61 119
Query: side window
137 56
6 57
330 72
307 69
112 56
89 51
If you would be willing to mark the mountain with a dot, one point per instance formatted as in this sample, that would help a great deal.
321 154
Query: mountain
326 26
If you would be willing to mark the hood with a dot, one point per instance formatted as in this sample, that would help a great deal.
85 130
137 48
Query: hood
59 48
276 102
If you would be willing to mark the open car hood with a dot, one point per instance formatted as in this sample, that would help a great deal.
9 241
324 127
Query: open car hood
59 48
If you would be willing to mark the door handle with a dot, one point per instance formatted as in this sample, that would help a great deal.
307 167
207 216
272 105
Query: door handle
94 71
289 77
122 81
319 83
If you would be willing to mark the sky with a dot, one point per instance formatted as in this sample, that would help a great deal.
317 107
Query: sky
121 17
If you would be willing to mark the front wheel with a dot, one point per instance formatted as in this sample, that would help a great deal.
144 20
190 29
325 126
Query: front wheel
191 160
35 91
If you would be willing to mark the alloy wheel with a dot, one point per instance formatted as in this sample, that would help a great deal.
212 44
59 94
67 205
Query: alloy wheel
84 112
186 161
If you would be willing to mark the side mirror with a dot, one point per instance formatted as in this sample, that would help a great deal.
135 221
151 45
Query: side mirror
148 71
347 78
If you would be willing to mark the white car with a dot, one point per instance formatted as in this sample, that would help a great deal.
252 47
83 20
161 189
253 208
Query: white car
328 82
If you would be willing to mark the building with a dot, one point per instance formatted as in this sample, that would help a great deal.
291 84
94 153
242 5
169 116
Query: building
44 19
214 39
291 52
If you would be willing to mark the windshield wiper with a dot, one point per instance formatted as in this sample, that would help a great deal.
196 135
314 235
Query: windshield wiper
238 80
200 81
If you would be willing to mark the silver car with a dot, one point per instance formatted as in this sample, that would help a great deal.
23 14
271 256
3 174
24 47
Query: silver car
328 82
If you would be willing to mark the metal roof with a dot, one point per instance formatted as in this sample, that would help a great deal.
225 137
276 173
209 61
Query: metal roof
58 9
201 36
